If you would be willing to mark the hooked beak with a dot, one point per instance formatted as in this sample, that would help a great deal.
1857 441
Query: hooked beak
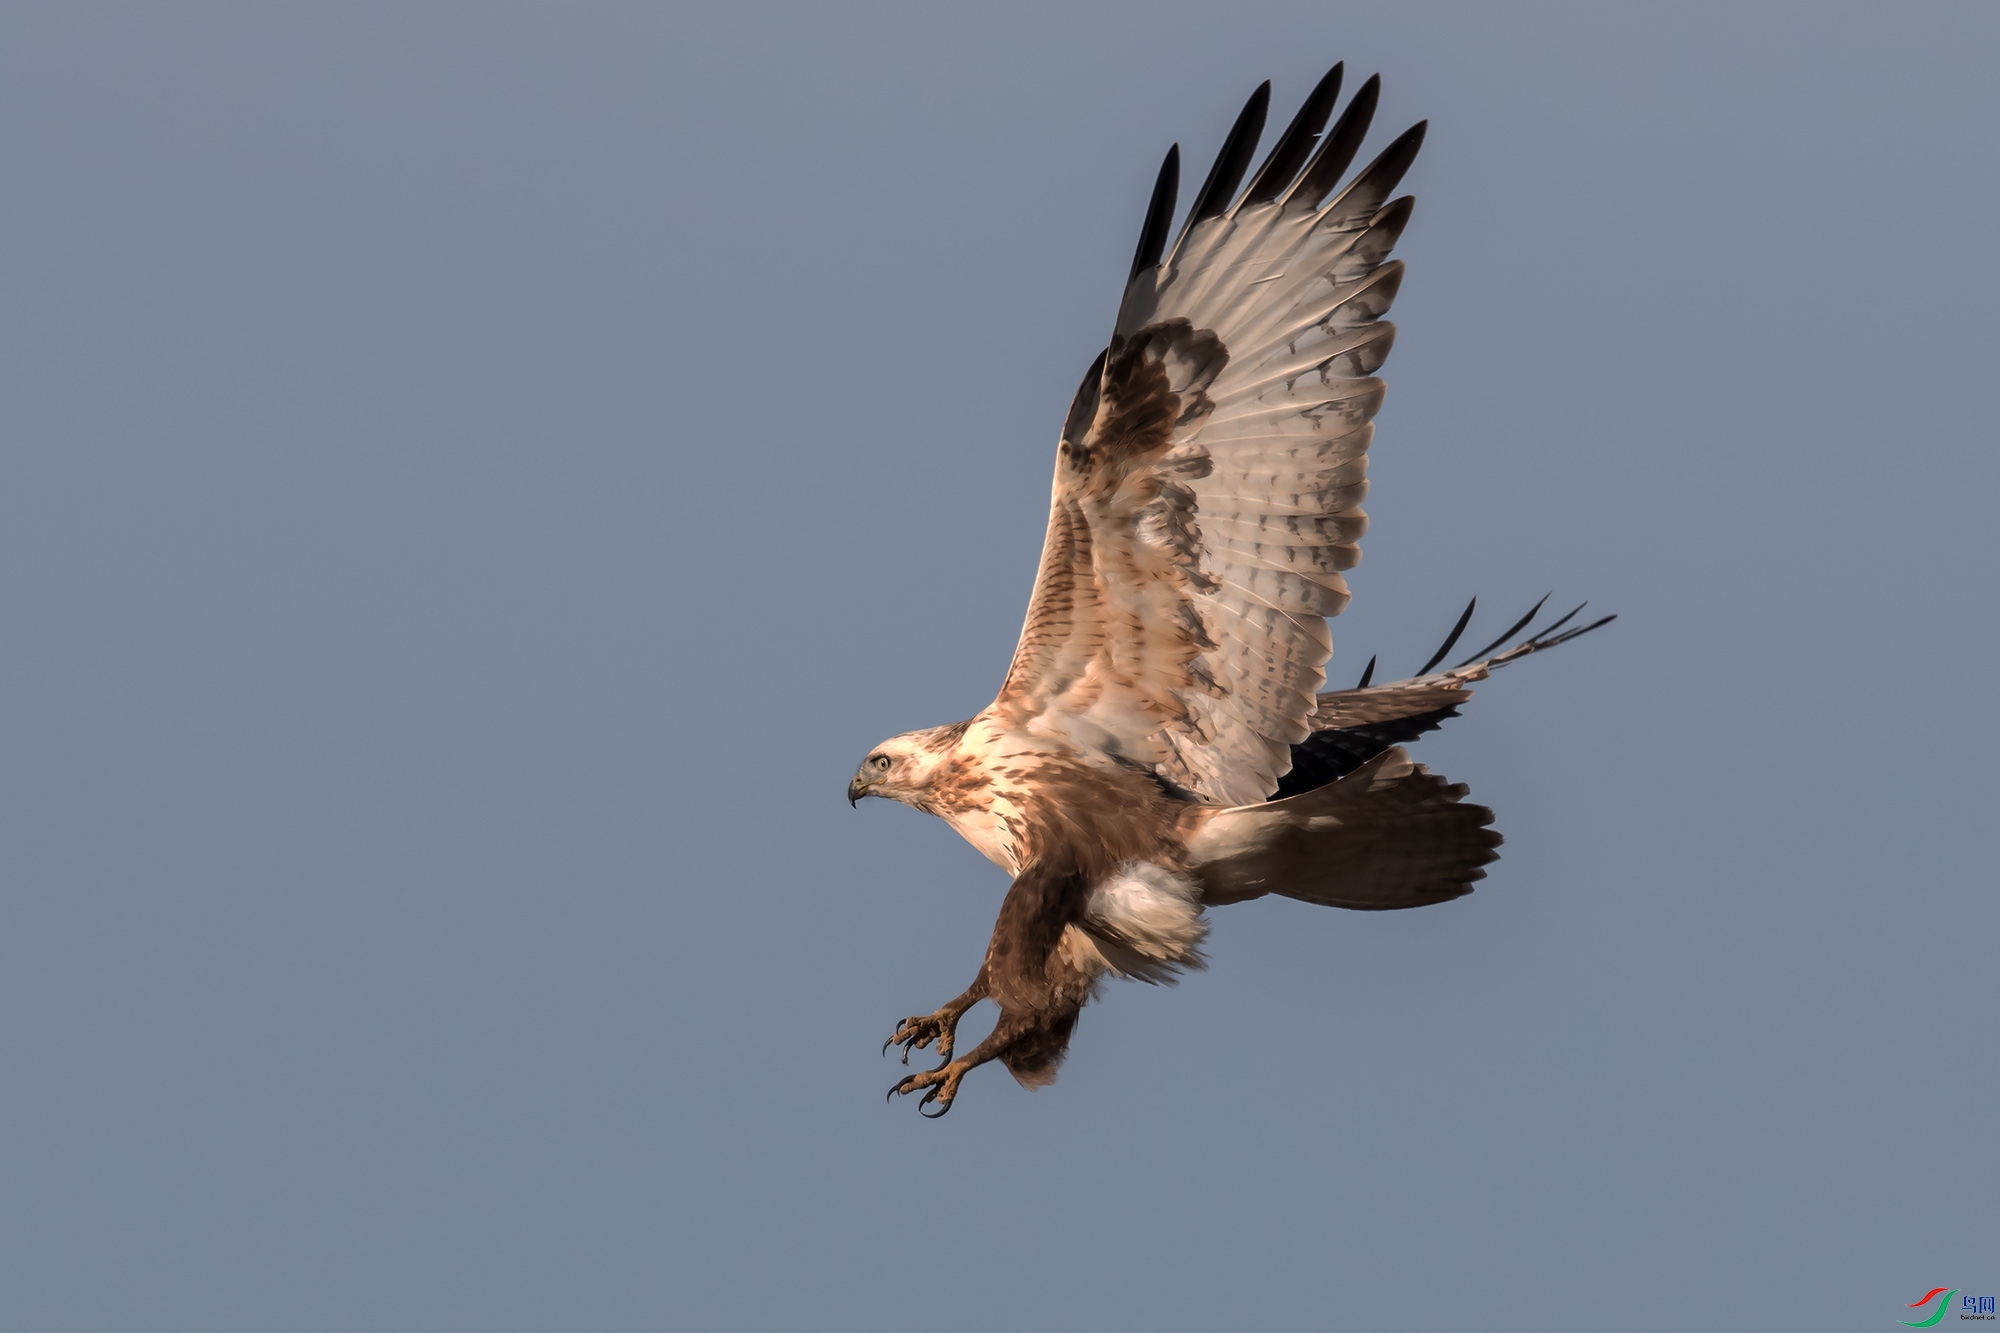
856 790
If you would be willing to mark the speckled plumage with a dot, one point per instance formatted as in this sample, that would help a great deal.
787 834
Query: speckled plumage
1205 507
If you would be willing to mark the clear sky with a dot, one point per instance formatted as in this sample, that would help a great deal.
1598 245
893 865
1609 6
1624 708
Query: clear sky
475 480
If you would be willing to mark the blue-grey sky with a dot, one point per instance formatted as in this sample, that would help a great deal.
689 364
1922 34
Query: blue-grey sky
476 480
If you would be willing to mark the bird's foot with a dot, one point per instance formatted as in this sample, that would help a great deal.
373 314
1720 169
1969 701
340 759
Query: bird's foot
941 1084
913 1034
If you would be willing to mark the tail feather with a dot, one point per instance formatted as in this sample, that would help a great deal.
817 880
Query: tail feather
1389 835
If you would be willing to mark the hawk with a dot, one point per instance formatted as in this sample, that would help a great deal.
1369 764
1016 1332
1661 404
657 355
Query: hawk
1161 744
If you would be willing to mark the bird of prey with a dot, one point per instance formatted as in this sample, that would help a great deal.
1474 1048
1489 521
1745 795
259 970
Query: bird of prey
1161 744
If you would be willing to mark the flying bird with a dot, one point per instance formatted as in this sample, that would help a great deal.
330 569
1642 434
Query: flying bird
1161 744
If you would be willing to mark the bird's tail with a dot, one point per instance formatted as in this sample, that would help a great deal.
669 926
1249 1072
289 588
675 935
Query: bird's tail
1390 834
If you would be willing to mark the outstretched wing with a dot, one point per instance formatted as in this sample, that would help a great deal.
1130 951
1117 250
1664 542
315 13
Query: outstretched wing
1352 726
1209 479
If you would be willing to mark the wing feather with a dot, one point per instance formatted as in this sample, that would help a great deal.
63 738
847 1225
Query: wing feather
1208 483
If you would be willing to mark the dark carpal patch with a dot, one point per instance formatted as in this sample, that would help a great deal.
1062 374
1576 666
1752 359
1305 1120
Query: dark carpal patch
1083 407
1150 384
1124 552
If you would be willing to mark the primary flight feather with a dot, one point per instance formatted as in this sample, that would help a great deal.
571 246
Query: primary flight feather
1161 743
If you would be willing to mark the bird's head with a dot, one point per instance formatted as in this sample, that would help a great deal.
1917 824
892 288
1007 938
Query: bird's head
903 767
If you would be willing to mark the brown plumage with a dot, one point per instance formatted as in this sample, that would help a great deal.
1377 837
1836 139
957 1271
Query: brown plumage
1167 683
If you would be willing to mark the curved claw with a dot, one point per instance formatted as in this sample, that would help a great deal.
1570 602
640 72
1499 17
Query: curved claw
915 1034
940 1088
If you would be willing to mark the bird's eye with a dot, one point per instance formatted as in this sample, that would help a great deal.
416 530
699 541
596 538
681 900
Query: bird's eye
881 762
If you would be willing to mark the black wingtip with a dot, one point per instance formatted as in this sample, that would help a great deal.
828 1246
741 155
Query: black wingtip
1295 145
1546 642
1342 142
1374 183
1395 160
1232 161
1464 619
1083 407
1537 640
1159 215
1547 630
1367 674
1512 630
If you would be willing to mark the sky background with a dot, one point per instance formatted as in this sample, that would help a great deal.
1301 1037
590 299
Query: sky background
475 481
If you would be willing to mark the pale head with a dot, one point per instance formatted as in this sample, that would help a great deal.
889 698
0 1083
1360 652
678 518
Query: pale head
903 767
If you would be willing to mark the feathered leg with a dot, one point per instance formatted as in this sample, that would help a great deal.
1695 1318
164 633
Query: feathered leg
1038 988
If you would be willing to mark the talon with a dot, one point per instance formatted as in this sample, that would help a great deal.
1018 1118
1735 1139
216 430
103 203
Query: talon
914 1034
902 1036
918 1032
940 1085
